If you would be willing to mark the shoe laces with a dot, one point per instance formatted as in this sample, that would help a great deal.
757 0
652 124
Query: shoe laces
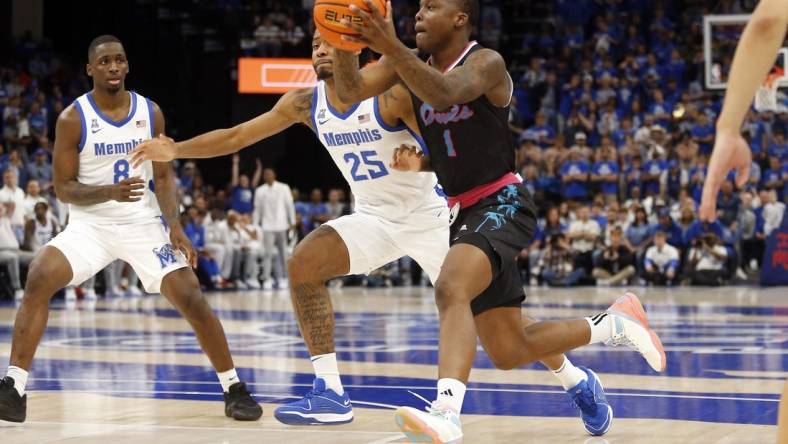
621 338
585 401
435 408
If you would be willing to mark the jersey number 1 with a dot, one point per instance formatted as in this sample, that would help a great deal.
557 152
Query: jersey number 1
121 170
449 143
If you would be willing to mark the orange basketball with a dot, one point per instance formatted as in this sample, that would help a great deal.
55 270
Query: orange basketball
329 13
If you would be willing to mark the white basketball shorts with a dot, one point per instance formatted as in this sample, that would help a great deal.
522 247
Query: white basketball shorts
89 247
374 241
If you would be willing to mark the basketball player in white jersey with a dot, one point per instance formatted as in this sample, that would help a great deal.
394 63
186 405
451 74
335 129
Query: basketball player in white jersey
397 214
114 215
40 229
754 58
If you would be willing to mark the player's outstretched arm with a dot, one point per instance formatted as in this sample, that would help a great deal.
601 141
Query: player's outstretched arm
68 132
483 71
294 107
754 57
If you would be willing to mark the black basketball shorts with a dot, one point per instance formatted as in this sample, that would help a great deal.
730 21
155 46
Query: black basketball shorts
501 225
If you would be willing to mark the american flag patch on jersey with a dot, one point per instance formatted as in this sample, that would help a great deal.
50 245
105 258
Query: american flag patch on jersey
141 124
364 118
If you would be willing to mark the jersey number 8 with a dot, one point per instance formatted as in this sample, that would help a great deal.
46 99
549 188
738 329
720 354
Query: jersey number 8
121 170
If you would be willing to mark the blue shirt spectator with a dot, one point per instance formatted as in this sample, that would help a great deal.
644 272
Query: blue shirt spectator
668 226
778 148
703 133
607 168
697 174
699 228
314 212
541 132
772 176
652 172
242 198
574 174
674 178
633 174
785 180
195 231
549 184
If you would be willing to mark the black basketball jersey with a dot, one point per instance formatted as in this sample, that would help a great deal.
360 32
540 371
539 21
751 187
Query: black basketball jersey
468 145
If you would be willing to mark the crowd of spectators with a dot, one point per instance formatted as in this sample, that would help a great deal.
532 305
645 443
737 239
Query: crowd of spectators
613 130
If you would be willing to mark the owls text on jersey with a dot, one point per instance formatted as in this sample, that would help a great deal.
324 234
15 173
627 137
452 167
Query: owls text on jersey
103 160
362 146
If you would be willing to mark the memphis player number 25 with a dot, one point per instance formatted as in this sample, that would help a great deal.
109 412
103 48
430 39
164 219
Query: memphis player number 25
121 170
374 167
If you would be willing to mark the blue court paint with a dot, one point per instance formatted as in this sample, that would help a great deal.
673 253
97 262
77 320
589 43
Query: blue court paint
706 349
195 382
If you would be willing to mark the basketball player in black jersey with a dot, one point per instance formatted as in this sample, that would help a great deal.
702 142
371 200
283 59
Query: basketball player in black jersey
461 97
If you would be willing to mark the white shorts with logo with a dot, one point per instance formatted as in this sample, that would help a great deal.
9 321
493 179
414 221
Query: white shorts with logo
374 241
89 247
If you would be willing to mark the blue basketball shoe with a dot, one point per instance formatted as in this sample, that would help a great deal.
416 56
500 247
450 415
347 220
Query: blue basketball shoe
320 406
589 397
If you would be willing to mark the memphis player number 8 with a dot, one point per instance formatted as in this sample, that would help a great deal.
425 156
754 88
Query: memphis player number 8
121 170
375 167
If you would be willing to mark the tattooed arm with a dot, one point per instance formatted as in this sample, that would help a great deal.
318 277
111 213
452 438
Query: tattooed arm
484 73
293 107
354 85
68 134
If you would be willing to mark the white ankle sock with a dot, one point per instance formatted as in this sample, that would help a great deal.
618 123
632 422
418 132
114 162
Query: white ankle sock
227 379
326 368
451 392
20 378
600 327
569 375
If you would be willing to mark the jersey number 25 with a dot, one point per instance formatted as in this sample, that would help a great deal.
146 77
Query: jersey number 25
375 168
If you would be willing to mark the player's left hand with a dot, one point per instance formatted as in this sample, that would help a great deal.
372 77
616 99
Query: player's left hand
406 158
730 152
180 242
375 31
159 149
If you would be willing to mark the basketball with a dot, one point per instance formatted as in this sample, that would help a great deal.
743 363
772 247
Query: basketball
328 15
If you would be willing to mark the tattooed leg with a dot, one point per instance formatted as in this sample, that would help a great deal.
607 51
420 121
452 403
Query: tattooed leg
322 255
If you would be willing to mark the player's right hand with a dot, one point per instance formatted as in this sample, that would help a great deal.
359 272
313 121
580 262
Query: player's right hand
407 158
159 149
730 152
128 190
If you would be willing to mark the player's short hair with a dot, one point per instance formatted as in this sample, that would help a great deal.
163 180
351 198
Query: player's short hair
100 40
470 7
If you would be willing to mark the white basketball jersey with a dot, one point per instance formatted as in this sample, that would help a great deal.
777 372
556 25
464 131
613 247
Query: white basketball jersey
362 146
104 160
42 233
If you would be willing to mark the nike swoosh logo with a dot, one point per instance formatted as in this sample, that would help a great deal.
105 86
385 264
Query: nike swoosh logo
95 131
323 122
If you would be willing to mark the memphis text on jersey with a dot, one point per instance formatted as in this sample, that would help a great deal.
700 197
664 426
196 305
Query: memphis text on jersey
352 138
111 149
